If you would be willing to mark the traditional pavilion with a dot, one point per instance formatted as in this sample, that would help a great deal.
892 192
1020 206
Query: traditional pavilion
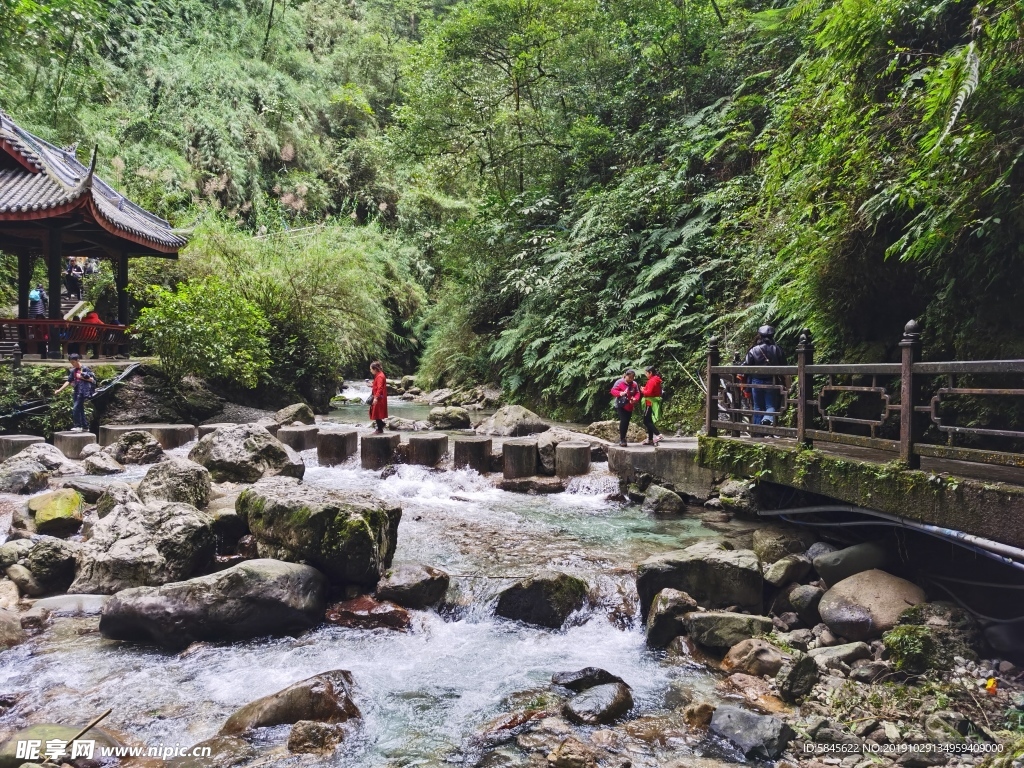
54 207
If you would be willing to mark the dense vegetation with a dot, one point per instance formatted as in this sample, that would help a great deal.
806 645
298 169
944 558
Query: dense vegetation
540 192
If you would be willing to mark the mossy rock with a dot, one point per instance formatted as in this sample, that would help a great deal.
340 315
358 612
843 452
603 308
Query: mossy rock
58 513
546 599
928 636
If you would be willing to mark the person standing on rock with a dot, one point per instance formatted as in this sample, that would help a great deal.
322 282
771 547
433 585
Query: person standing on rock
765 352
84 383
378 397
651 403
627 394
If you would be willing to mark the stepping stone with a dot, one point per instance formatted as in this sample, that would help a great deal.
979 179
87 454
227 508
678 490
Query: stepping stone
519 458
427 450
377 451
473 453
299 438
14 444
334 448
72 443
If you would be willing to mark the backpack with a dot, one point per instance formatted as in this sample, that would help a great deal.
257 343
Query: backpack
34 295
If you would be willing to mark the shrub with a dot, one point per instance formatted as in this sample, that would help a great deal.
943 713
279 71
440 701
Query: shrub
208 329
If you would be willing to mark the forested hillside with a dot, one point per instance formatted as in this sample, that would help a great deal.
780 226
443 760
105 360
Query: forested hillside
540 192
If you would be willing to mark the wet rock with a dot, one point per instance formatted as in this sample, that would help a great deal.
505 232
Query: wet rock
863 606
11 633
662 501
599 705
366 613
102 464
699 714
449 417
116 493
759 736
311 737
22 474
225 752
298 412
144 545
800 639
572 753
535 485
245 453
737 496
828 658
722 629
44 732
413 586
756 690
817 549
91 490
351 537
549 440
709 572
787 569
8 593
177 480
772 544
52 563
323 698
546 599
136 447
665 619
254 598
797 677
582 679
513 421
805 600
25 581
833 567
754 657
58 513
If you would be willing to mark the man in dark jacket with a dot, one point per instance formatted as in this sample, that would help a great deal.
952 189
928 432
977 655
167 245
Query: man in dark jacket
84 383
765 352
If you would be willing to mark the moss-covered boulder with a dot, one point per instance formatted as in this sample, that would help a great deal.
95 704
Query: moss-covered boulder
928 636
546 599
298 412
177 480
351 537
135 447
58 513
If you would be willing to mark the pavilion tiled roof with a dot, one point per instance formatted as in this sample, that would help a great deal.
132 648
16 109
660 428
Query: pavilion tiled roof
51 181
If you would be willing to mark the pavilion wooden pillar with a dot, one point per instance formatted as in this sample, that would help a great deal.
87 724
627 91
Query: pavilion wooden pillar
24 282
122 294
55 269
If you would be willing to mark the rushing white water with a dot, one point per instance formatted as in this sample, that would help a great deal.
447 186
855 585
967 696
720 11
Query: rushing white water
425 694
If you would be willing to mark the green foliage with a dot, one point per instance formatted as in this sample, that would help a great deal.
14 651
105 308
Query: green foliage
33 383
207 329
911 648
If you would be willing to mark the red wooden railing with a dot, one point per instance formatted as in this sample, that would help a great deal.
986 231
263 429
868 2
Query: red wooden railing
34 335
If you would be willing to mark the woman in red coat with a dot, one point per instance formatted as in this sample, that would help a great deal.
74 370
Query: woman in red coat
378 396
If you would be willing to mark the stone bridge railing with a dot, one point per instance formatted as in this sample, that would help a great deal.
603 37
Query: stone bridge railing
906 408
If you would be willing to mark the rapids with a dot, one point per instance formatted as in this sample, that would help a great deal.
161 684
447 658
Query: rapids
426 695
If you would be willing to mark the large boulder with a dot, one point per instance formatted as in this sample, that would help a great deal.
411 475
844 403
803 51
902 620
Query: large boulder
665 619
413 586
863 606
513 421
102 464
787 570
707 571
723 629
449 417
364 612
546 599
52 458
549 440
58 513
253 598
298 412
324 698
116 493
947 631
763 737
245 453
351 537
135 447
23 474
177 480
754 657
835 566
144 545
51 561
599 705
